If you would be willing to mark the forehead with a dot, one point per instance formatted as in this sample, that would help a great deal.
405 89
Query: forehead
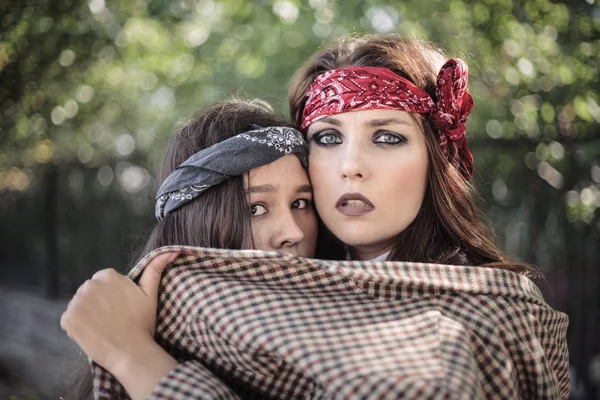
367 117
286 171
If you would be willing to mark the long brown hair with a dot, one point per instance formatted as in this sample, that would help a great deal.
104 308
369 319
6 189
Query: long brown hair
450 227
220 217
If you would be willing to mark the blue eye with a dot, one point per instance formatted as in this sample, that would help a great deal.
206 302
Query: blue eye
258 210
326 138
389 138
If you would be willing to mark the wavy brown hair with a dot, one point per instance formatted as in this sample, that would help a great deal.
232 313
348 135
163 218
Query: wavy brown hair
221 216
450 227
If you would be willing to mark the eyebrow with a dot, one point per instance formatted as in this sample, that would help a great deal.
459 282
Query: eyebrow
386 121
374 123
270 189
331 120
304 189
262 189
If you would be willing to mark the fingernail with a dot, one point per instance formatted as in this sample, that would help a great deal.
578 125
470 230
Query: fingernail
173 257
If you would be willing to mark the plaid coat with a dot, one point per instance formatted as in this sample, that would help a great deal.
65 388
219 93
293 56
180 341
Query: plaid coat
265 325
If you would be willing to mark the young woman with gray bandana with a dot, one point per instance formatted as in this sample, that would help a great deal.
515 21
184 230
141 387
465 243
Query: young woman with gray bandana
233 178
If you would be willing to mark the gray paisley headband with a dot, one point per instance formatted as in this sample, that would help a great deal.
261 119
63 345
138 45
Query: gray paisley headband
231 157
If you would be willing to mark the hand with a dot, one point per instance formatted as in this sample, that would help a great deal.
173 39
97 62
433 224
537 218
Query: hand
111 318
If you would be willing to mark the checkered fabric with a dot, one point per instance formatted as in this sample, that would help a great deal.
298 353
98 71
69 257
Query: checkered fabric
265 325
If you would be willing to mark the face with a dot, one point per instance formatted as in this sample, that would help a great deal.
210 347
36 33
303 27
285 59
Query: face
283 218
369 175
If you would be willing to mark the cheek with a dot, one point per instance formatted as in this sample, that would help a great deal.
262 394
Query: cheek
321 175
410 174
308 225
315 169
259 235
324 195
321 164
411 178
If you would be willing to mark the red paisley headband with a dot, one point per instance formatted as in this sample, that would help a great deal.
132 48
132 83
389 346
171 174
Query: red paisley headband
364 88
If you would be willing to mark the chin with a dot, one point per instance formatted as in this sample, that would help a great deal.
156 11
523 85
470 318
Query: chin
357 239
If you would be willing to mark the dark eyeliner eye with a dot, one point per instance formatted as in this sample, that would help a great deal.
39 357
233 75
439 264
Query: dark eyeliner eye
326 138
389 138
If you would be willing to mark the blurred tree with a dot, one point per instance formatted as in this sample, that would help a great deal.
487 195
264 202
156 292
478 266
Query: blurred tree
89 91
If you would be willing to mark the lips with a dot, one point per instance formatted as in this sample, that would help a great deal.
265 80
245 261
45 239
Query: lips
354 204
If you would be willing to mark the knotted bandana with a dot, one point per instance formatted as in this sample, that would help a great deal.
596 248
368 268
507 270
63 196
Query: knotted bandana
231 157
364 88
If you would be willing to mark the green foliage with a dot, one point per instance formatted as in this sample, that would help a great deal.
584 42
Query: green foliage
99 85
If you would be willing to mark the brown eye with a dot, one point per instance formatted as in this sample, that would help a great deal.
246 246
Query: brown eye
301 204
258 209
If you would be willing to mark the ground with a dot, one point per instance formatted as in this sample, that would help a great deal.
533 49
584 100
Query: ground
37 358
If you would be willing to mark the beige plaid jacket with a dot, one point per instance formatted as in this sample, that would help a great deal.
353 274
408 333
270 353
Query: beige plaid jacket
264 325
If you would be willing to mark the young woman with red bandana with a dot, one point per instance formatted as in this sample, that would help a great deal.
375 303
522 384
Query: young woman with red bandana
452 317
386 122
385 118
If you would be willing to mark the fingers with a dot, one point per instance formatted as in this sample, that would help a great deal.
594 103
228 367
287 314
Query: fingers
150 278
108 287
86 293
63 322
106 274
66 319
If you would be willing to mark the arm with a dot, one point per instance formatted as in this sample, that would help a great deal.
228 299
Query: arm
191 380
142 367
113 320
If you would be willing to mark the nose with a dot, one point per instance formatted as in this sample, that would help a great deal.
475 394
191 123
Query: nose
353 165
287 232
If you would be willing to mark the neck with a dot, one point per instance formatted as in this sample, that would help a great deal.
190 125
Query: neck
363 253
